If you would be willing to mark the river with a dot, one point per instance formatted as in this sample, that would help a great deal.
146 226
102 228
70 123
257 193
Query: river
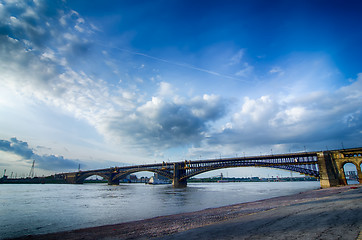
44 208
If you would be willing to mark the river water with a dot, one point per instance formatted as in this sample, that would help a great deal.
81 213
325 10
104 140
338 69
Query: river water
43 208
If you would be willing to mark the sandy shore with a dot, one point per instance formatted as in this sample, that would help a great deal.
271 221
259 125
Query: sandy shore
332 213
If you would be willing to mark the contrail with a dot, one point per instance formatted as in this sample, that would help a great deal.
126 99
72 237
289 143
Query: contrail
180 64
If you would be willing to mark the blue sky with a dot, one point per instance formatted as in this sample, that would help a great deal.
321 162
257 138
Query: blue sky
108 83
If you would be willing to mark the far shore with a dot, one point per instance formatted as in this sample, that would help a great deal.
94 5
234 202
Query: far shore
331 213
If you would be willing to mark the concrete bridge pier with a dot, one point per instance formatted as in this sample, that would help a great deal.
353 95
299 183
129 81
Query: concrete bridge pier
179 170
72 178
112 181
331 166
328 171
176 183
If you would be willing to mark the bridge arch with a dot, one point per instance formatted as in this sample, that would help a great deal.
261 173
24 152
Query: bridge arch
124 174
84 176
350 172
309 171
327 165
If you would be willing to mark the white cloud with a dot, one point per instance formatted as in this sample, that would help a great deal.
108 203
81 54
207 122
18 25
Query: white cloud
276 70
254 111
290 116
245 71
313 118
138 80
79 28
236 59
165 89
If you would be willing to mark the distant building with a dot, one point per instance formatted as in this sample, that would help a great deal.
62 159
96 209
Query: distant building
159 179
131 178
352 175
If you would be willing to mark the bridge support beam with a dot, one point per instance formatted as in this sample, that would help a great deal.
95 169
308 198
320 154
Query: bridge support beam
179 170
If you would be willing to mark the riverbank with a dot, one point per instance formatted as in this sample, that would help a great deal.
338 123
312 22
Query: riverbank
332 213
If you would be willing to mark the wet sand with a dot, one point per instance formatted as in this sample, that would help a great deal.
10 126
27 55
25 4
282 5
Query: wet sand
332 213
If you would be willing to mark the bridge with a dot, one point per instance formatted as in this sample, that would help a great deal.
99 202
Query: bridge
327 166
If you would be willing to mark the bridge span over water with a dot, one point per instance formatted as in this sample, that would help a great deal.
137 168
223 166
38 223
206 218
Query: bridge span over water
327 166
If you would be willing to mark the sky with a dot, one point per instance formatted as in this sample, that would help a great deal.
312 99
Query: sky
116 83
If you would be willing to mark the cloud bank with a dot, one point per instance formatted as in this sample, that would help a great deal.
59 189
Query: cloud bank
46 162
316 118
164 124
36 68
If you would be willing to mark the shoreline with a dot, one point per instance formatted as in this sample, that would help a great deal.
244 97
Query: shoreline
187 223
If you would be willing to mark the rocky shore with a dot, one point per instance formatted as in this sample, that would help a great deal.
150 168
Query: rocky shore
332 213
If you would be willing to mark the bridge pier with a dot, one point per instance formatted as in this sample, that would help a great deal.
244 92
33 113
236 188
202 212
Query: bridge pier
328 171
176 183
111 180
72 178
331 166
178 171
359 173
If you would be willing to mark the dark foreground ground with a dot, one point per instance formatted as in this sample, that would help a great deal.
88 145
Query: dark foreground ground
333 213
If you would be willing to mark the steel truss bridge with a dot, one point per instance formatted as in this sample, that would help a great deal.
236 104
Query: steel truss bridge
304 163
